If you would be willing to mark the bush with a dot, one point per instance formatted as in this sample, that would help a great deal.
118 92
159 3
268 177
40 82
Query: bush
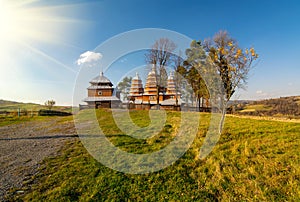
44 112
24 112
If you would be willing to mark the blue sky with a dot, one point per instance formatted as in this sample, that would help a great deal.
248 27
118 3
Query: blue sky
41 49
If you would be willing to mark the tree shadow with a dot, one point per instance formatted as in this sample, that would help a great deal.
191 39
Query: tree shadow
47 137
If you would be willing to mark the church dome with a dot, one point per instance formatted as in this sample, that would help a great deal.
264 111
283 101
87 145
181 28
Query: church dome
101 79
136 85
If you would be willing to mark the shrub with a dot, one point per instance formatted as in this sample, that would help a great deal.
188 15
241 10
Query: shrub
44 112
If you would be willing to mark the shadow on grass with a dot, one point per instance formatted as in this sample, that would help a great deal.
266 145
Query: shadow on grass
49 137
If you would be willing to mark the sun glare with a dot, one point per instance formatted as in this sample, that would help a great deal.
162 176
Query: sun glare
21 22
14 21
26 23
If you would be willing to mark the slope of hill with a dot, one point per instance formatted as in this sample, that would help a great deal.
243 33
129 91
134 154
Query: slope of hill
6 105
10 106
283 106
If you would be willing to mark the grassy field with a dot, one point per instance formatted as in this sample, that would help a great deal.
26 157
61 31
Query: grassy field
28 112
255 160
4 121
253 108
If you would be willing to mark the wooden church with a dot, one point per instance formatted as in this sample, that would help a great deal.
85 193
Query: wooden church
101 93
145 98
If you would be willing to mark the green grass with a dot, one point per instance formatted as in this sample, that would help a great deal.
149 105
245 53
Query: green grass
253 161
30 109
253 108
8 120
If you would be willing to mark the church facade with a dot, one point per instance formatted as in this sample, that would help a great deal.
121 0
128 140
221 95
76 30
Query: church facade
101 93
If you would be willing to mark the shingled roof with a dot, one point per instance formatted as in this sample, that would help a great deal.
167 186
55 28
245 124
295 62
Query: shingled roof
101 79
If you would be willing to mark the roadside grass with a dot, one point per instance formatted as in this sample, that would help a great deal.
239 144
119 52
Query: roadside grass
9 120
254 160
32 107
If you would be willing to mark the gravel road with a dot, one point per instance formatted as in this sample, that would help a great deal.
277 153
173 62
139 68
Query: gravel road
23 146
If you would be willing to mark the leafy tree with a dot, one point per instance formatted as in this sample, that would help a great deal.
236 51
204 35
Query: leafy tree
196 58
179 75
49 104
182 85
124 87
232 64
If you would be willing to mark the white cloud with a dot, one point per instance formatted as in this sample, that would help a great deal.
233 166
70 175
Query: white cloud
263 94
123 60
89 58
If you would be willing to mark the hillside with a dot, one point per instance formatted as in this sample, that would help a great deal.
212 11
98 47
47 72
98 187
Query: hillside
283 106
12 106
6 105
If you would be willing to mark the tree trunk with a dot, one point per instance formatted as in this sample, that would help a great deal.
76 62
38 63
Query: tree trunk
157 97
223 108
192 99
199 103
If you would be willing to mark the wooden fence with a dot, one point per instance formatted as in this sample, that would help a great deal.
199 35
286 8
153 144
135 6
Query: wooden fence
31 113
19 113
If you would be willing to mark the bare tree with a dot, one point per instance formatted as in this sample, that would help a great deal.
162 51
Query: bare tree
49 104
160 55
179 74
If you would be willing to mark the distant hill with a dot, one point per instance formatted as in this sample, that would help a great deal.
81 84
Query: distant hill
8 106
283 106
6 102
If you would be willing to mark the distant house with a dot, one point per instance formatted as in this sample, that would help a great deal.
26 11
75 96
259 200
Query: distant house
101 93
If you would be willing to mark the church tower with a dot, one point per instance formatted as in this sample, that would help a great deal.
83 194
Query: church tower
136 89
150 87
171 88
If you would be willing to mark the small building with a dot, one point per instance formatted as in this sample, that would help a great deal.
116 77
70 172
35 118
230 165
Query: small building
101 93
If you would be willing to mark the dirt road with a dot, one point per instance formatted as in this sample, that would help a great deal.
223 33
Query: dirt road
23 146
